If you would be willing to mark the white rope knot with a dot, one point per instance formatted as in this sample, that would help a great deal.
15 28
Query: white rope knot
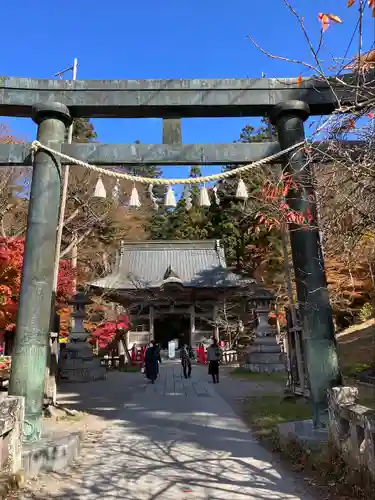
36 145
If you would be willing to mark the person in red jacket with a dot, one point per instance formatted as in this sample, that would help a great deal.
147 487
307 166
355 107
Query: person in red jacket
143 352
200 354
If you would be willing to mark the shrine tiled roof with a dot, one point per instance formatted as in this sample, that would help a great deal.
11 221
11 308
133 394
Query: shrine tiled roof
143 265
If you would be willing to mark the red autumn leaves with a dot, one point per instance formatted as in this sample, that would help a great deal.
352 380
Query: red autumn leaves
11 259
326 19
276 194
106 332
370 4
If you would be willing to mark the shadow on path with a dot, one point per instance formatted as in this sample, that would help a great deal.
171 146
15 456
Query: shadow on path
175 440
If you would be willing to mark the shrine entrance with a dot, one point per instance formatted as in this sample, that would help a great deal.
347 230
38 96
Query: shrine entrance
170 327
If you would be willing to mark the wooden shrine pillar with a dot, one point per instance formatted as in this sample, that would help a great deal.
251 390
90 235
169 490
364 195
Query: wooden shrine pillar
192 325
151 320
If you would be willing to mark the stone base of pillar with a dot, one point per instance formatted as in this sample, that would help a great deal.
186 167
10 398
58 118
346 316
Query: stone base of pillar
79 365
265 356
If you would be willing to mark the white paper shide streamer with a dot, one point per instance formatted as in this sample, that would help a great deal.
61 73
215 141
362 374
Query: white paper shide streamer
170 200
242 193
100 191
134 198
204 199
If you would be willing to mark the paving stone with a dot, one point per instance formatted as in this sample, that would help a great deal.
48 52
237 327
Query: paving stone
175 440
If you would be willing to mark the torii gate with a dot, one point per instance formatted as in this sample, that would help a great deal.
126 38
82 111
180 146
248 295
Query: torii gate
52 104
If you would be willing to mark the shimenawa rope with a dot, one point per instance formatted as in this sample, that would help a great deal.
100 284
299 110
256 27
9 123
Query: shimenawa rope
36 145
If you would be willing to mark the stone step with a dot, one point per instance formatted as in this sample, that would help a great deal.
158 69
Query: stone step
270 340
266 357
264 348
83 374
73 363
265 368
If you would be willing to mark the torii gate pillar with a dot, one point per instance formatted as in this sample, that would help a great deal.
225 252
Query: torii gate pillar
312 294
34 310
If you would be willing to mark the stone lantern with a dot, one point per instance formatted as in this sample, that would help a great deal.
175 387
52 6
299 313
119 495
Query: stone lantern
79 303
262 309
78 363
264 354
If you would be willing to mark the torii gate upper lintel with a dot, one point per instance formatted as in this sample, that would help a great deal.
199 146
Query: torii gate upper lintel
174 98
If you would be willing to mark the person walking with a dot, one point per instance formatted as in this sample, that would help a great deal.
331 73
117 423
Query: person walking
199 355
185 360
214 354
152 360
202 354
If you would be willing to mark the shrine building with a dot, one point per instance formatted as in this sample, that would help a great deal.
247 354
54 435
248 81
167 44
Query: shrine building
175 289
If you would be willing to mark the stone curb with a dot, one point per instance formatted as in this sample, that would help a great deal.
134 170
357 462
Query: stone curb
53 453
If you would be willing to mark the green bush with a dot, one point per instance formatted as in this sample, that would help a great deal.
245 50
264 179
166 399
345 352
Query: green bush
355 370
366 312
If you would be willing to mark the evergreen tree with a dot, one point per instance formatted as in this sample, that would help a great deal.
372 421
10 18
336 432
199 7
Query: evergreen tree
179 223
248 244
83 130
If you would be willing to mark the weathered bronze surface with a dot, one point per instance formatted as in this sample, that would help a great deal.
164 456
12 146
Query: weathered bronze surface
34 311
173 98
312 294
170 154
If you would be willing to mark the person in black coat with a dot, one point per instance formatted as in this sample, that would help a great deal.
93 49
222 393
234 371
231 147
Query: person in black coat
152 360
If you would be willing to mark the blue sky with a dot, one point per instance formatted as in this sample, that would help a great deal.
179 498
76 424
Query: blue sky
165 39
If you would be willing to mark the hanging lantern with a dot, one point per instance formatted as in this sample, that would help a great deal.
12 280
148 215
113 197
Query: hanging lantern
134 198
204 199
100 191
241 193
187 198
170 200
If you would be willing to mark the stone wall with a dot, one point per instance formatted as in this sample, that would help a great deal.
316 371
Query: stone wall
366 391
352 428
12 409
